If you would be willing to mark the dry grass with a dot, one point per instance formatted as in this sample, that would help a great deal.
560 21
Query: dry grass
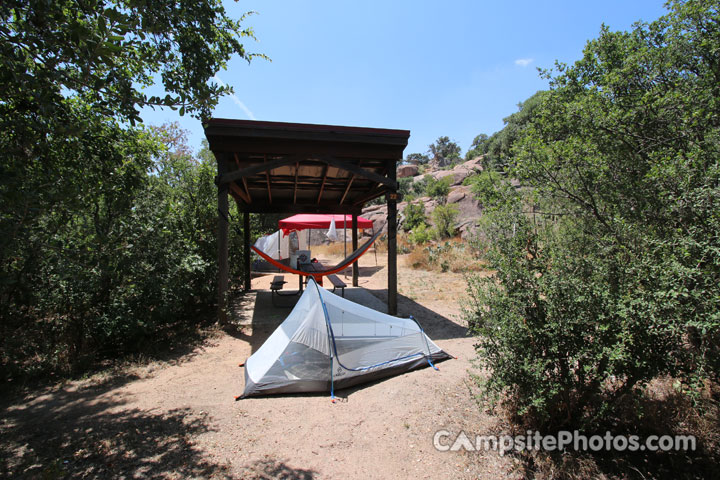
334 249
452 255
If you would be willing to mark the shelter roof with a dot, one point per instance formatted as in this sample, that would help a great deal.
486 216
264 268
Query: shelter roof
295 167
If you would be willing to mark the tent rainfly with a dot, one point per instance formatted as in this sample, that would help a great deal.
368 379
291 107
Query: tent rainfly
328 343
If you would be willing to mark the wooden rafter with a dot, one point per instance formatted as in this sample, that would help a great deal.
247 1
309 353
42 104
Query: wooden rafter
247 190
245 197
236 190
267 178
359 171
322 185
255 169
373 193
297 169
347 189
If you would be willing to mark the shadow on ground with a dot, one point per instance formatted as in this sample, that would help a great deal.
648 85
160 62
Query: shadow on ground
273 469
438 327
86 432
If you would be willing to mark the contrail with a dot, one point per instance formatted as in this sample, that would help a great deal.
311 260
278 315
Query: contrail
235 99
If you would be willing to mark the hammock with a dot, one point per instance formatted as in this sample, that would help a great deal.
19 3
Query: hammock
353 257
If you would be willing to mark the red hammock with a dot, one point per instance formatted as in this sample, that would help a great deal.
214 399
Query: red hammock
317 275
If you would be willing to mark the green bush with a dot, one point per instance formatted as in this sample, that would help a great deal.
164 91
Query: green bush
421 234
487 186
125 264
444 217
622 285
414 216
437 189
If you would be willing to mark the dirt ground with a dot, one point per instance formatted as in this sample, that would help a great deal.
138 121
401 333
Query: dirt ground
179 418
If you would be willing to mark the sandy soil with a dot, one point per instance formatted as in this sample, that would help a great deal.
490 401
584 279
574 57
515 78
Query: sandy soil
179 418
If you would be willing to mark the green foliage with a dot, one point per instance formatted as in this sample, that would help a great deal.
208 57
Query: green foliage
437 189
421 234
404 186
126 262
107 229
107 52
497 149
624 286
488 186
444 152
444 218
417 159
417 188
414 216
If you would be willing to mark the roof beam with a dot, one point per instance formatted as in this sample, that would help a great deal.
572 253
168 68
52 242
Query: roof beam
373 194
267 177
278 207
297 169
358 170
322 185
255 169
247 192
347 189
239 192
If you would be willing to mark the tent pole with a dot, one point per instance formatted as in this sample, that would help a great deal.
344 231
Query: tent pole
355 266
345 236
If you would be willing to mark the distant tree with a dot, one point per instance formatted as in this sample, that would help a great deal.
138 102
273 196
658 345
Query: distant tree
480 146
500 145
444 151
417 159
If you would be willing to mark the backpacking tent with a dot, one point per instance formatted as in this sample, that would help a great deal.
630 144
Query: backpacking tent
328 342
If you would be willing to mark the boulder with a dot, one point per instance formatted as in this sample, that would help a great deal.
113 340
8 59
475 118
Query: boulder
457 194
404 171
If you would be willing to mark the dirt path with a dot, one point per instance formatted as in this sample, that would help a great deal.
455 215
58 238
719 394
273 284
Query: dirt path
178 419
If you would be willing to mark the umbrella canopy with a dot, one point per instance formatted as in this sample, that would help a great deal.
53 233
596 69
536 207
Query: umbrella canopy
304 221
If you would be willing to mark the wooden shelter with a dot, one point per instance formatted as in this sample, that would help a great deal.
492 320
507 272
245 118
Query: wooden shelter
274 167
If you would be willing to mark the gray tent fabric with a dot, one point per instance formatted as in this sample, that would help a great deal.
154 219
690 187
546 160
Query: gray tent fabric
328 342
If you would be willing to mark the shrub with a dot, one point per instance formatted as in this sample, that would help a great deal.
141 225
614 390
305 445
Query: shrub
444 217
623 287
488 186
421 234
126 265
438 189
417 189
414 216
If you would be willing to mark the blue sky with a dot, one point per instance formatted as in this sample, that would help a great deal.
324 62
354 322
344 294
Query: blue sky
454 68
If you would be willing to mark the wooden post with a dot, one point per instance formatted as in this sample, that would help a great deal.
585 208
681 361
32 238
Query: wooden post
391 197
246 251
355 265
223 267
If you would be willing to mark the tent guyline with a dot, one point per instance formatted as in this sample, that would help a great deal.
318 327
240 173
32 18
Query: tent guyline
328 342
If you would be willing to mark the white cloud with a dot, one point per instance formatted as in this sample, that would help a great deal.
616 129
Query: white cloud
523 62
237 101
